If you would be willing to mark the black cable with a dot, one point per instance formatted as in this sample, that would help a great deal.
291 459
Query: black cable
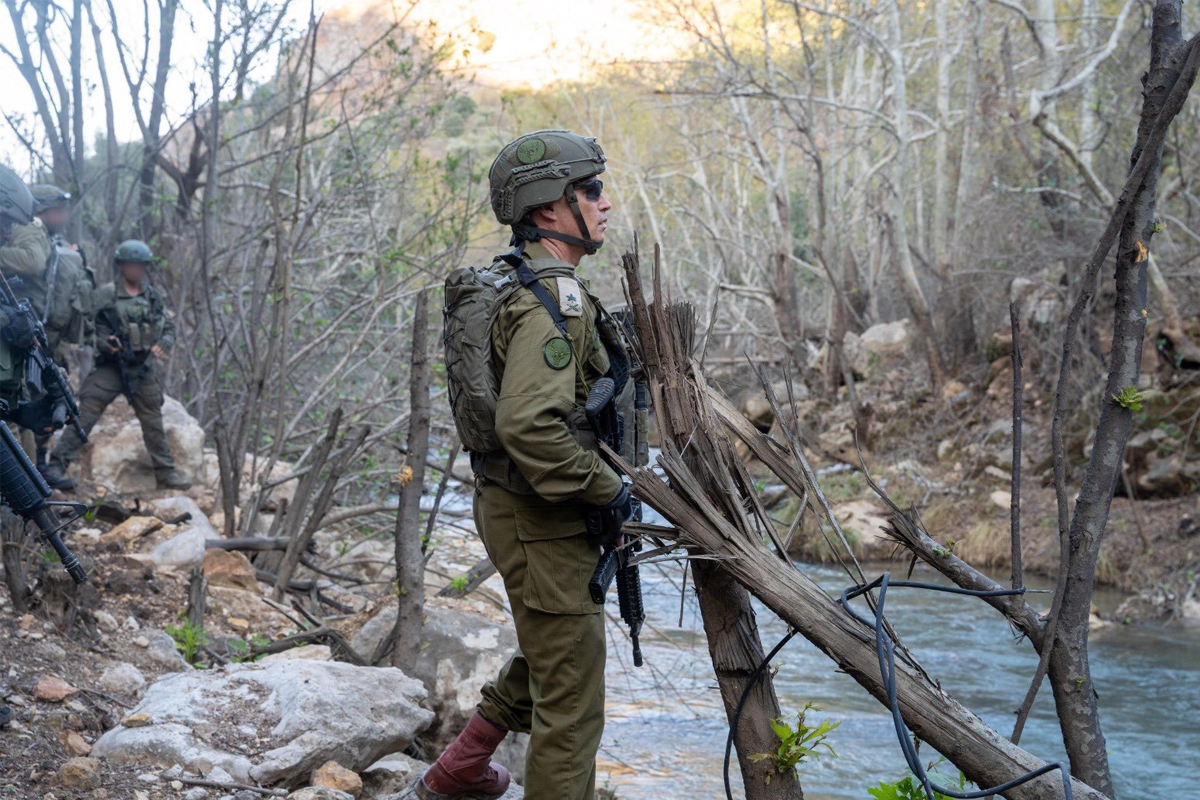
737 714
886 654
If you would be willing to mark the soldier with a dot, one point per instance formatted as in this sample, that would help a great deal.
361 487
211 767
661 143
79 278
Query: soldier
17 249
550 341
133 331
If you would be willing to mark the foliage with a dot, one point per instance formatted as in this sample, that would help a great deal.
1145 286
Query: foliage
243 648
798 743
189 640
1129 397
909 788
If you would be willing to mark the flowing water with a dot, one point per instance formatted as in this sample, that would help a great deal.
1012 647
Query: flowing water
665 735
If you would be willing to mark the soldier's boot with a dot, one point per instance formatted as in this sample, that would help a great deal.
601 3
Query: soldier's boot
465 771
6 715
54 473
172 480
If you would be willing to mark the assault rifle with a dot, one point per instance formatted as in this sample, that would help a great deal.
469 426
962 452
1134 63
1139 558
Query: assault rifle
615 562
24 490
124 353
42 374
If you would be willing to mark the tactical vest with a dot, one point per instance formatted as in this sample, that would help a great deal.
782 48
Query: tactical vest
142 316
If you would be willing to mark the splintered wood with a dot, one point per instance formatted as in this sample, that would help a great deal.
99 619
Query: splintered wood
709 498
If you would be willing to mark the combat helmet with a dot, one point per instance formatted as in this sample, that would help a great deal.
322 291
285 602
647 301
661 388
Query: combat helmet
133 250
16 203
537 169
48 196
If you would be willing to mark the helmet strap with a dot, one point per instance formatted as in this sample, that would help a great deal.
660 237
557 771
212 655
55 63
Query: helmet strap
530 233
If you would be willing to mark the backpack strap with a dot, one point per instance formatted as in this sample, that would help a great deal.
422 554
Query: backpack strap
529 280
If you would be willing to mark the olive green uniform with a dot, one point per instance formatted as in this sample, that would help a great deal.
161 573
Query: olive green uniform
530 506
24 256
145 321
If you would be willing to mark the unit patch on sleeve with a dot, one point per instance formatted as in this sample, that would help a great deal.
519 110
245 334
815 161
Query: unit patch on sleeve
570 297
557 353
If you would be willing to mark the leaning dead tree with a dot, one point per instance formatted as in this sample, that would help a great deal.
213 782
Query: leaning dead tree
709 498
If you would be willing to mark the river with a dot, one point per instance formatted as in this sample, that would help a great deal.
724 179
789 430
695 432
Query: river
665 735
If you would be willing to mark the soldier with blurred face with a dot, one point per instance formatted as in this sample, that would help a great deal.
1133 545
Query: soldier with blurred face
134 330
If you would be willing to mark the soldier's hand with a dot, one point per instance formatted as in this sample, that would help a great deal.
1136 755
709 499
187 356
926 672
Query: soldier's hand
158 351
39 416
613 517
113 343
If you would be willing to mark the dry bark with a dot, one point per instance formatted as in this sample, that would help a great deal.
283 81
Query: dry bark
709 499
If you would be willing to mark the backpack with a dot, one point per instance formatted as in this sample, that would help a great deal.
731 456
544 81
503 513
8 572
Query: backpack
474 297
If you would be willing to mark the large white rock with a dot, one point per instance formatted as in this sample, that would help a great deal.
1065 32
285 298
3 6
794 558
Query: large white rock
272 723
117 455
183 550
459 653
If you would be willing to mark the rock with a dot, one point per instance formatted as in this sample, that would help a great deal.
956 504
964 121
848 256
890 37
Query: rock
75 744
955 393
391 774
459 653
196 793
175 507
332 775
1168 476
79 774
162 651
142 641
123 678
53 690
369 558
1001 499
139 720
184 550
229 568
132 529
319 793
515 792
998 474
249 606
880 346
131 624
105 621
312 652
118 456
863 522
291 716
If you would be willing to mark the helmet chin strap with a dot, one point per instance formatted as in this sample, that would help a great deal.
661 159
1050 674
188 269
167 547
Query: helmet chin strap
527 233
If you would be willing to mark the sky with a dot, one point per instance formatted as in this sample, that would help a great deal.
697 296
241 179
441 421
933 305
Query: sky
514 43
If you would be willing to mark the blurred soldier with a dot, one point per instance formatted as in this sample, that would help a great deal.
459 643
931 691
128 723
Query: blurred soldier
61 296
549 342
133 330
18 250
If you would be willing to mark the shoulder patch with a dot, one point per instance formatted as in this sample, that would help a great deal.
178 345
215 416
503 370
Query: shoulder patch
570 298
557 353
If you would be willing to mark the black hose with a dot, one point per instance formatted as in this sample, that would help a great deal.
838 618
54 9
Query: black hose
886 654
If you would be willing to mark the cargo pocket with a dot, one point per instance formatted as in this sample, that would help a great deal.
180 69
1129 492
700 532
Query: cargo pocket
558 560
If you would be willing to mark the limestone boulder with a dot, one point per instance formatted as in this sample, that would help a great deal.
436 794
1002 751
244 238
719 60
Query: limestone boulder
182 551
117 456
272 723
459 653
880 347
229 568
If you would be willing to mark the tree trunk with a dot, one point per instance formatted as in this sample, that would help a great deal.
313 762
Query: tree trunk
1070 672
410 560
12 542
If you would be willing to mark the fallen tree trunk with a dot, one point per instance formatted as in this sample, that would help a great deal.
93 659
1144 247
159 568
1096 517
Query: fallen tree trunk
723 525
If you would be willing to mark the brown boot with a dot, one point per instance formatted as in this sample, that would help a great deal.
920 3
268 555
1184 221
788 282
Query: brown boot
465 771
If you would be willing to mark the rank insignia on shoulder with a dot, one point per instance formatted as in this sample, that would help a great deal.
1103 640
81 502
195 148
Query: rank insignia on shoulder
557 353
570 297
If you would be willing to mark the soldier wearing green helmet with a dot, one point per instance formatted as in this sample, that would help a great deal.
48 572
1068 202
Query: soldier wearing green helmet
16 216
133 330
541 473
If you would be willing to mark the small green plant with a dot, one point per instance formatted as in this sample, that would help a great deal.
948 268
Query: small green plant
460 583
242 648
796 744
1130 398
342 547
909 788
189 640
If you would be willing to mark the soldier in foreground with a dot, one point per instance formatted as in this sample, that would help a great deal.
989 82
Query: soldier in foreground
133 331
538 469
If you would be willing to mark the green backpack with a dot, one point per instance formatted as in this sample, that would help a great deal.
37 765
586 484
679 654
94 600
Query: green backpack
473 299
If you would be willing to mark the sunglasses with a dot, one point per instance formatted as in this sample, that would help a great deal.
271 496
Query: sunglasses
592 189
